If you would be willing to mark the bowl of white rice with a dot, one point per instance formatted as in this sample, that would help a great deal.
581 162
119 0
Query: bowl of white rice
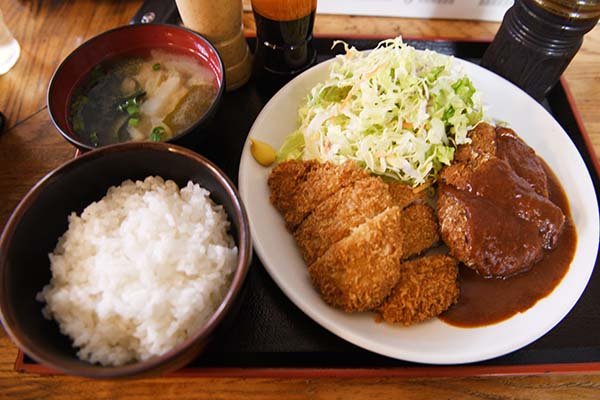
124 261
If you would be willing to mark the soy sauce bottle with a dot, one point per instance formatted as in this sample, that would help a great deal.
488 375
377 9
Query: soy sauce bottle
283 42
538 39
284 34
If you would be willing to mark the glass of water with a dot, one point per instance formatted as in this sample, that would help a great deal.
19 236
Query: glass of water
9 47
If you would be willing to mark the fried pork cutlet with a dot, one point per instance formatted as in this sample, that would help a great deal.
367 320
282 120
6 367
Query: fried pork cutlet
468 157
427 287
489 142
403 195
419 230
349 207
482 146
333 219
492 204
486 237
353 229
358 272
297 187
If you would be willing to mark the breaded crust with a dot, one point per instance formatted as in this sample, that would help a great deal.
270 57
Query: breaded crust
403 195
427 287
483 145
297 187
333 219
285 181
469 157
352 205
453 219
419 229
458 175
358 272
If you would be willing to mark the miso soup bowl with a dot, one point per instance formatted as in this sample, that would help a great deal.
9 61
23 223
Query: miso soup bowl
40 219
121 42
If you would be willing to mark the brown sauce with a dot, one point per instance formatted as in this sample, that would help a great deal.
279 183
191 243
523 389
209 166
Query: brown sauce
522 159
486 301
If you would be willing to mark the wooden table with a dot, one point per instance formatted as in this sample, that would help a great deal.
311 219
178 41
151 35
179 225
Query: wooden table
49 30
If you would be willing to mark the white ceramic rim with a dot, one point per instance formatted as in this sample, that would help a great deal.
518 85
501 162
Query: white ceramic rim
432 342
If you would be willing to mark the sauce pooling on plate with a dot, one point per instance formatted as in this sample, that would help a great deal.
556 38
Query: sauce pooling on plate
142 97
487 301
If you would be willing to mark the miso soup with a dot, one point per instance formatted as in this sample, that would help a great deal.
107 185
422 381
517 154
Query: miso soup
141 98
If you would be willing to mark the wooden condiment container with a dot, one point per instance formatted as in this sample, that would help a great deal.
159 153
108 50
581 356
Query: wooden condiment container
221 23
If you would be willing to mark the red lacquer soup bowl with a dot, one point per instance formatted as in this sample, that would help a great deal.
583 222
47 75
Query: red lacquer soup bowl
122 42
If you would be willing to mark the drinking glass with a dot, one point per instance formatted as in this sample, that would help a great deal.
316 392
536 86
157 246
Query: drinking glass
9 48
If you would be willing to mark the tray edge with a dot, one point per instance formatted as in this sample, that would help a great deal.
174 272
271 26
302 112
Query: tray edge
406 372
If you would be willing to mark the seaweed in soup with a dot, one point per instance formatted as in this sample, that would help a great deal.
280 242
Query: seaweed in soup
141 98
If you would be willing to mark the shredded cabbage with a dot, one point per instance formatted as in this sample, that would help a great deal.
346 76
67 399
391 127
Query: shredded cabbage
397 111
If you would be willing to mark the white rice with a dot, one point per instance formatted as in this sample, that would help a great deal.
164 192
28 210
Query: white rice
140 270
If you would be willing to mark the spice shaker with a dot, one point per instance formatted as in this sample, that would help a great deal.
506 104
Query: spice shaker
221 23
538 39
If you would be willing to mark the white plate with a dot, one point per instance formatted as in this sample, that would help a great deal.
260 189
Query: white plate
434 341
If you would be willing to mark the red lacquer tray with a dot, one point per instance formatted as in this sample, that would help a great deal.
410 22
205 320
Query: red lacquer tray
273 338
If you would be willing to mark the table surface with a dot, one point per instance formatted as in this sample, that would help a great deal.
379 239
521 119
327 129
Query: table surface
49 30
